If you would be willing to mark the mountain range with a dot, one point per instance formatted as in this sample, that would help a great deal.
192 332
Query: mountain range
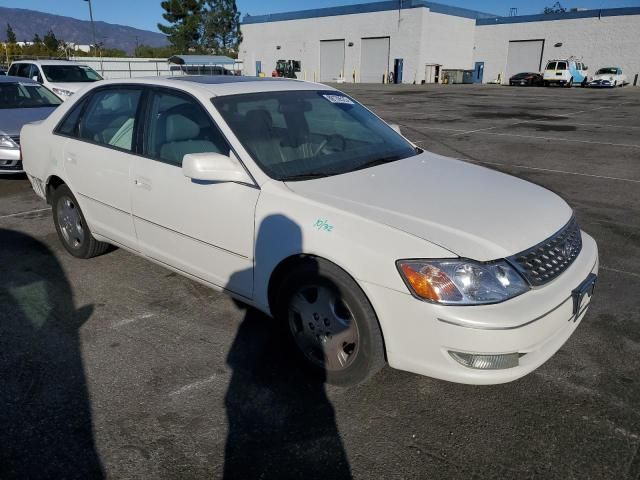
26 23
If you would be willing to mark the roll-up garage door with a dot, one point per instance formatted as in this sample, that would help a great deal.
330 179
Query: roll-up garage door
374 59
331 60
524 56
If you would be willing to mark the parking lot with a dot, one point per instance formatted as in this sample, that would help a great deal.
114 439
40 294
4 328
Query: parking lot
117 367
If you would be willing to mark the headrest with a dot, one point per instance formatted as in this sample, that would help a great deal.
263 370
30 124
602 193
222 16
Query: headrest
259 118
180 128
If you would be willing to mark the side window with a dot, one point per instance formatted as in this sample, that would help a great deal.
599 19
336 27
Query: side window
110 118
35 72
23 70
13 71
69 124
179 125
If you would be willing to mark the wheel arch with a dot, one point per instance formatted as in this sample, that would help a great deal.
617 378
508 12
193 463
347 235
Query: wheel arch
291 262
53 182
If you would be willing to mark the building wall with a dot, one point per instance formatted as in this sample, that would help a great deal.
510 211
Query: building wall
448 41
600 42
300 40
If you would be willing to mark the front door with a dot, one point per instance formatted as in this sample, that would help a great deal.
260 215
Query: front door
205 229
97 158
478 72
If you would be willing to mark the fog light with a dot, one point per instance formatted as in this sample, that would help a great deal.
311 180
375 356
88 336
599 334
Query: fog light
486 362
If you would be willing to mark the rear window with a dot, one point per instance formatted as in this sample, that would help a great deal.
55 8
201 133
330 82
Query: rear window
561 66
551 66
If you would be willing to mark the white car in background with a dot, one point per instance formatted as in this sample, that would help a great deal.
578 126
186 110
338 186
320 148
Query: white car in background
297 200
62 77
609 77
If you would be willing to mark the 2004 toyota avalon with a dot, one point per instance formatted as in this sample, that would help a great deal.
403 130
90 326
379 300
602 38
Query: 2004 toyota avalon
297 200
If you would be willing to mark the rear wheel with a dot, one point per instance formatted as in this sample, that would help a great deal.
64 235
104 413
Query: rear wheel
72 228
331 323
570 83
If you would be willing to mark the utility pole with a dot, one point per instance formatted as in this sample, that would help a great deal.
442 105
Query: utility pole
93 25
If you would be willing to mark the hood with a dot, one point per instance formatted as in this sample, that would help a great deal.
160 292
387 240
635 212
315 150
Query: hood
470 210
12 119
71 86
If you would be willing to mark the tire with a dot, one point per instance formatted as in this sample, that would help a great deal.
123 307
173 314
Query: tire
72 228
584 83
330 322
545 83
570 83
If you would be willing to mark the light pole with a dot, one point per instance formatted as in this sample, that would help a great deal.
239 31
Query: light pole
93 26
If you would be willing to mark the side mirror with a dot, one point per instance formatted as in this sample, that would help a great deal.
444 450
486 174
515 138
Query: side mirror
395 127
585 68
214 167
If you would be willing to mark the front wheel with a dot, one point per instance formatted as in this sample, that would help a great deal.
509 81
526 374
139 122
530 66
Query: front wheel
72 228
331 323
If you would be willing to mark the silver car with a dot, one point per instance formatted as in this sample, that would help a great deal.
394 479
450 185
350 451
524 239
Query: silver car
22 101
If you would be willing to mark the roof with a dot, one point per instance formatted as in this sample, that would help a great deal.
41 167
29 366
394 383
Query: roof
11 79
366 8
201 60
219 85
49 62
604 12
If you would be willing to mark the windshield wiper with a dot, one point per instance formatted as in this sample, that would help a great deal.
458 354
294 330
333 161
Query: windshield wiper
377 161
307 176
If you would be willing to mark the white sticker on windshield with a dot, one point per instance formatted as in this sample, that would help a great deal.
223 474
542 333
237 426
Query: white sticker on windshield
338 99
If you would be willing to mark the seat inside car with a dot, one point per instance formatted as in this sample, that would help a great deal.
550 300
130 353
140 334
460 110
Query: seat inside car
182 136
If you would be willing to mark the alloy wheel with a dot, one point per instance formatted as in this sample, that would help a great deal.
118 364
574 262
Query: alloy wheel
70 222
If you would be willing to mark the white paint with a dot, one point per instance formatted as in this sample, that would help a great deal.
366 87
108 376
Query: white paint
25 213
194 385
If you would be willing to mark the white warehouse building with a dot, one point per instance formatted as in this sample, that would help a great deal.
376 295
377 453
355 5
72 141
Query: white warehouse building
417 41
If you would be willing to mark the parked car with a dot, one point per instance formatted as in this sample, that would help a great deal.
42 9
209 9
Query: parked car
526 79
62 77
566 73
295 199
3 71
21 101
609 77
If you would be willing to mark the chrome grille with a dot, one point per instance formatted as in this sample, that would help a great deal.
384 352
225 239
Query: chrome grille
544 262
15 138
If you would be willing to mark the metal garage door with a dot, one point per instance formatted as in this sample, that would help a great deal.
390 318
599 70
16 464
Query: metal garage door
524 56
374 59
331 60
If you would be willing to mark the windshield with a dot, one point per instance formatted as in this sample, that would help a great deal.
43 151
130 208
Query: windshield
297 135
70 73
26 95
607 71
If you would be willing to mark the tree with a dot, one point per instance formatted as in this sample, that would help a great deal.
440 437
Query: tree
36 39
11 35
184 17
221 27
556 8
51 42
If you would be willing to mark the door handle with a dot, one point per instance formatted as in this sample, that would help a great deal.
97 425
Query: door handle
144 183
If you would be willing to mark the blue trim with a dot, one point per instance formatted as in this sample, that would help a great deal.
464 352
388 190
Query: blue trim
366 8
605 12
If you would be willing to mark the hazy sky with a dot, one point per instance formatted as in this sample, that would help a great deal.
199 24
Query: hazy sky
146 14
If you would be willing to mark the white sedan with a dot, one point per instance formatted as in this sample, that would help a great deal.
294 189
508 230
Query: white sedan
297 200
609 77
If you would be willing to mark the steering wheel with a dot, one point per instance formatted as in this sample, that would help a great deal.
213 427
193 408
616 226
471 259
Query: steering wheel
329 141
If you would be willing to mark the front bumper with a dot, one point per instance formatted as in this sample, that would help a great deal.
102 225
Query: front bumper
419 335
10 161
601 84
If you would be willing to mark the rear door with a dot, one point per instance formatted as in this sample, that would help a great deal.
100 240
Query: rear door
101 133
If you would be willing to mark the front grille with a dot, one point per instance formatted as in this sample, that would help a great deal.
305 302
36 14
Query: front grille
544 262
15 138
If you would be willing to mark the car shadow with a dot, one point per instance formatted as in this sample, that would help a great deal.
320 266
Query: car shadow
45 415
281 423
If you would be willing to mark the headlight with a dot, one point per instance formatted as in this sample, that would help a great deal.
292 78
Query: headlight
62 92
7 142
462 282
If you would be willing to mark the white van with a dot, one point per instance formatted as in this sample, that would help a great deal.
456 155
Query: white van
566 73
63 77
